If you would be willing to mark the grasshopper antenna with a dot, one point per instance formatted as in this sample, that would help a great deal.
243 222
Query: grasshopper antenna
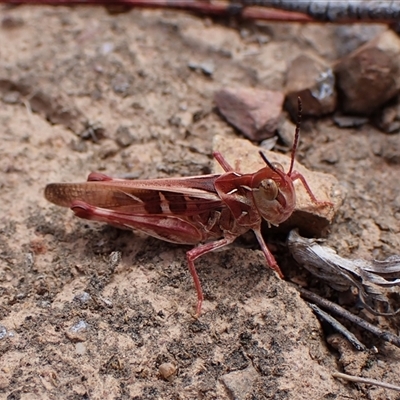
297 134
295 142
264 157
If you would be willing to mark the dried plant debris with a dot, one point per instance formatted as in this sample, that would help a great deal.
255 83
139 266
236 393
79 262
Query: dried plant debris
338 327
373 279
343 313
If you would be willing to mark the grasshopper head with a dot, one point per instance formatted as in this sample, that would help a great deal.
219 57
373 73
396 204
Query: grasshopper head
273 191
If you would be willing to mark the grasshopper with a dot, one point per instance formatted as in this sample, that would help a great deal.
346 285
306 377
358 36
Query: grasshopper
209 211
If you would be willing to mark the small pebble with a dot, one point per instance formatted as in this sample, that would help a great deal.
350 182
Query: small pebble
83 297
78 332
255 112
123 136
80 348
167 371
313 81
3 332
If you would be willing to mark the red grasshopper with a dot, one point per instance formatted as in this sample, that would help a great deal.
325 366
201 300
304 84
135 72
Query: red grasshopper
214 209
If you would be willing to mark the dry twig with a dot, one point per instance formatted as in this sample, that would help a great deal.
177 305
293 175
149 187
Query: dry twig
384 335
358 379
338 327
271 10
337 11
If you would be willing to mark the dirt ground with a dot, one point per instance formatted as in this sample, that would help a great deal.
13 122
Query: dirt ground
80 322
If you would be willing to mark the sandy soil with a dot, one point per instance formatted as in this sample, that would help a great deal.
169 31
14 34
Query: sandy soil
80 322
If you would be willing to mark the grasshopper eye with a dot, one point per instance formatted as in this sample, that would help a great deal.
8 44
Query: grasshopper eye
277 165
269 189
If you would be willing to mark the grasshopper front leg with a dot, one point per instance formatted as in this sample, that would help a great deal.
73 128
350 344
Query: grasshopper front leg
268 255
296 175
